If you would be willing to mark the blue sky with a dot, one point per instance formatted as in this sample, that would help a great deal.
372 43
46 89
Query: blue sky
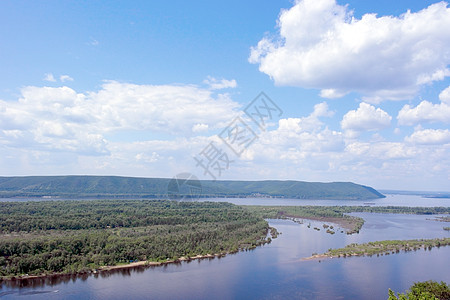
141 88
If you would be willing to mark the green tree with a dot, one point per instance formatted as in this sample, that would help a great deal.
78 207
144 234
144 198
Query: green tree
427 290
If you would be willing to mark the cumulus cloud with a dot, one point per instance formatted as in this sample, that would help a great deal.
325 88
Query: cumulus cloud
427 111
298 138
61 119
365 118
200 127
380 151
322 45
51 78
305 148
444 96
65 78
61 131
218 84
429 137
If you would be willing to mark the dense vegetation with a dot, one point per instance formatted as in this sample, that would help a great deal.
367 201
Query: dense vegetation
74 236
430 290
386 247
127 187
337 214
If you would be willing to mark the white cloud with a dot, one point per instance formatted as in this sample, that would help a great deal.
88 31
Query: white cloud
322 45
427 111
218 84
331 94
65 78
49 77
444 96
60 119
365 118
305 149
380 151
297 139
200 127
429 137
308 123
64 131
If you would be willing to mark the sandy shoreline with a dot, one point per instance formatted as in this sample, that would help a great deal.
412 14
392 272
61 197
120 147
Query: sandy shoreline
116 267
155 263
325 256
317 256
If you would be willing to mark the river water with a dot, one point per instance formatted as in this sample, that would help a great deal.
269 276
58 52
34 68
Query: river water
273 271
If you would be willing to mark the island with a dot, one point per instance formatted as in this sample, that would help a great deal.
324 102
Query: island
382 248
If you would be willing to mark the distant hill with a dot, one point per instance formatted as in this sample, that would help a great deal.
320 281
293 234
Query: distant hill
131 187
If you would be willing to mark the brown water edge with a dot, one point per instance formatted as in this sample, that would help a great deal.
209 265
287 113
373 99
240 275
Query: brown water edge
104 272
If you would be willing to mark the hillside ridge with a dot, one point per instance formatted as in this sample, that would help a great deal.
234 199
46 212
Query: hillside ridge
80 186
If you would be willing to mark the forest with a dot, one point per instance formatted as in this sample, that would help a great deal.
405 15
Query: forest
47 237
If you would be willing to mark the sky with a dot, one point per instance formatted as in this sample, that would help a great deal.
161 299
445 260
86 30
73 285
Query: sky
352 90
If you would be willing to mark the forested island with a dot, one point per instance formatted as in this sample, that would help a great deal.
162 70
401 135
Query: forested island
382 248
111 187
69 237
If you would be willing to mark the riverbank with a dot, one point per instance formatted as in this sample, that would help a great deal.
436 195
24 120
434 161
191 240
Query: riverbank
155 263
381 248
101 269
272 233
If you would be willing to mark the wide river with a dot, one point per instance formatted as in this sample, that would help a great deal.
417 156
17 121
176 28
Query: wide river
276 270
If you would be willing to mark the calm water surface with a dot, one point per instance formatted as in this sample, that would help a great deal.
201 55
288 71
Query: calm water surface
390 200
274 271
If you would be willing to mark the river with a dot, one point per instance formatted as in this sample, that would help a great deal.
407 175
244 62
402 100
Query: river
273 271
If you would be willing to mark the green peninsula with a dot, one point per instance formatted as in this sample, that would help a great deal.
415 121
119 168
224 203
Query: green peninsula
68 237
